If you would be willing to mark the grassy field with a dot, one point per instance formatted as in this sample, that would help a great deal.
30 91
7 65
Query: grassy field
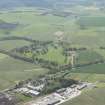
98 69
88 56
12 71
90 97
11 44
86 76
91 73
54 55
92 21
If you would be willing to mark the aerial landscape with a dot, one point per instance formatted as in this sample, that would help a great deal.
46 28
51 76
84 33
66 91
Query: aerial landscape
52 52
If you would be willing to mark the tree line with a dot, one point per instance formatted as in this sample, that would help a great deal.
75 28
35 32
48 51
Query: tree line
26 39
51 65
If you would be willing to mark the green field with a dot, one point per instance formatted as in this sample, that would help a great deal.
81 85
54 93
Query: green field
13 71
11 44
88 56
98 69
54 55
90 97
92 21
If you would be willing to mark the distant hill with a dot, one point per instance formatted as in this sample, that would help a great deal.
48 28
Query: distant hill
17 3
43 3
